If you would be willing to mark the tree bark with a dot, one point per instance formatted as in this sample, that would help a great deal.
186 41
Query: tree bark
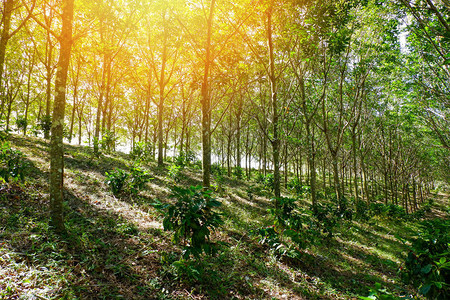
206 105
274 102
56 141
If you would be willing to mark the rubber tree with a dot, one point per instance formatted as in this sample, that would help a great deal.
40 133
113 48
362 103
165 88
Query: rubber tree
56 139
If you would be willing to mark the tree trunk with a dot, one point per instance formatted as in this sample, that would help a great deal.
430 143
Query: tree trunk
206 105
56 141
7 12
274 102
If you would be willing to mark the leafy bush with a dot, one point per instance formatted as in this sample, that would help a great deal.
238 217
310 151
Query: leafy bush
116 180
141 151
238 172
21 123
395 211
35 130
192 219
217 169
12 163
378 209
391 210
326 217
362 209
138 178
420 213
379 293
108 140
269 183
287 235
175 172
300 190
252 190
427 265
180 160
45 123
259 178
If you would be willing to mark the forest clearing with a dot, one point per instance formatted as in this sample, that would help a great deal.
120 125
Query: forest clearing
212 149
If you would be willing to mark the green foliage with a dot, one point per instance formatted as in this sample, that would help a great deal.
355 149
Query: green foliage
45 123
217 169
21 123
192 219
174 172
395 211
300 190
116 180
427 265
379 293
138 178
12 163
238 172
185 158
362 209
133 181
108 140
391 210
252 190
180 160
259 178
141 151
4 135
287 235
269 183
327 217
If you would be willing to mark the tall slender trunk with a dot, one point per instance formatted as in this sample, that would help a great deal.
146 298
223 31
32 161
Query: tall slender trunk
4 38
56 141
274 102
206 105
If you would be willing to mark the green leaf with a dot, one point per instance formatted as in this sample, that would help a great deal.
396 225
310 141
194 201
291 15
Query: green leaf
426 269
425 289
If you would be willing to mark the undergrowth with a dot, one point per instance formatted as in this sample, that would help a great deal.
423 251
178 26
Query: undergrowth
256 248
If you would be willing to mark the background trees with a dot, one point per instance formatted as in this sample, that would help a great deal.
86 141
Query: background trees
349 98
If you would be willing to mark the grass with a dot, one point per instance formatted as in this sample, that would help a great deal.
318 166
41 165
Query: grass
115 247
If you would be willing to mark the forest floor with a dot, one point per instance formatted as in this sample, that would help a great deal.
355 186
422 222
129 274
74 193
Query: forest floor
116 248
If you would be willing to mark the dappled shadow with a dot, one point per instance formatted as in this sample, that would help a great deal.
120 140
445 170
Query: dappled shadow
101 256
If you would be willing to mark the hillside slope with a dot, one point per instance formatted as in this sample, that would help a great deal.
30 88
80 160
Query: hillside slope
116 248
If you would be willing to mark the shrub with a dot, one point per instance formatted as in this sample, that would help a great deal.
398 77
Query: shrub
269 183
116 180
141 151
378 209
108 140
427 266
175 172
326 217
287 235
362 209
192 219
259 178
180 160
12 163
21 123
379 293
217 169
238 172
190 157
395 211
45 123
138 178
300 190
